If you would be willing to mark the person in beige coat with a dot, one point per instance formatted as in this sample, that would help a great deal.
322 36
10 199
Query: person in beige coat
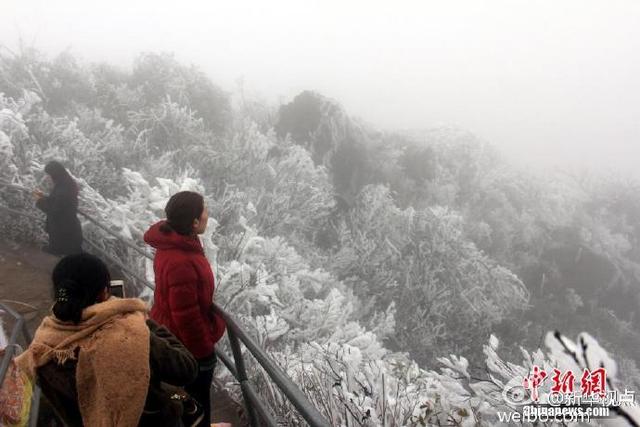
99 360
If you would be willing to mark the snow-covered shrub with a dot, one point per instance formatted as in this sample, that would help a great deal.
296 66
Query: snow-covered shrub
452 293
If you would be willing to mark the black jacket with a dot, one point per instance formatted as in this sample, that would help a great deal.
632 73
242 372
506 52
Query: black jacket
170 363
61 207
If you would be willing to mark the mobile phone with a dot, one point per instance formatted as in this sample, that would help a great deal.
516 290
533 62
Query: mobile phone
117 288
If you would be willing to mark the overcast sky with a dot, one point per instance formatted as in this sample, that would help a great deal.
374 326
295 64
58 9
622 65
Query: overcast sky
549 82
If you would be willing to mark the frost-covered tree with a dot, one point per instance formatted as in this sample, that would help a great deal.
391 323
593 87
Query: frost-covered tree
451 293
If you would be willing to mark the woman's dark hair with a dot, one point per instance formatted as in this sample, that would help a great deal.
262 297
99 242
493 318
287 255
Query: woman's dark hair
182 208
59 174
77 282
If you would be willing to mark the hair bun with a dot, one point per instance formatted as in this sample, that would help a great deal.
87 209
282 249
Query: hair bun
77 281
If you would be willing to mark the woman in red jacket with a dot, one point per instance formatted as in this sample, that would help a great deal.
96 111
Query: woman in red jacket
184 287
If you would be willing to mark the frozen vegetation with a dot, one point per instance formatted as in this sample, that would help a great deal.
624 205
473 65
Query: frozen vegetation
399 278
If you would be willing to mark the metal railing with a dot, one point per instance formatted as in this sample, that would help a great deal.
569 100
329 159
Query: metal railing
10 350
237 334
256 409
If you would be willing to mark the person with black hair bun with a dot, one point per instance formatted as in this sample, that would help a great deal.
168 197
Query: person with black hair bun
99 360
183 297
61 208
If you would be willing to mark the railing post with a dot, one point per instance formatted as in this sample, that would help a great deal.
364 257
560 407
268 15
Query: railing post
20 326
35 398
10 350
35 407
242 375
293 393
25 333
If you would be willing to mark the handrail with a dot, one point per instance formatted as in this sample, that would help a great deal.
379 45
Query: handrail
120 264
9 352
299 400
109 257
113 260
26 215
84 214
236 334
13 339
114 234
16 186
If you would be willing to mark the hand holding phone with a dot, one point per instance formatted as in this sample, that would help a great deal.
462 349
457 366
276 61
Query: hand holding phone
116 288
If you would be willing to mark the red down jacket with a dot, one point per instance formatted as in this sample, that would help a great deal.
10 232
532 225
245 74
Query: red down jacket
184 291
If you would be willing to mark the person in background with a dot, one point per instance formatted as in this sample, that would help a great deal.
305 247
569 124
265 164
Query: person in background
61 208
97 358
184 287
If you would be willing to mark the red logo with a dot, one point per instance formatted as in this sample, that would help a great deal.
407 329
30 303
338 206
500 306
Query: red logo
594 382
562 382
534 381
591 383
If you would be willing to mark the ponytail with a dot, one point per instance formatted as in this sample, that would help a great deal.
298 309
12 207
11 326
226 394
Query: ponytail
166 228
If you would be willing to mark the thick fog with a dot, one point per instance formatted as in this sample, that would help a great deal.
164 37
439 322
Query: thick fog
354 220
551 83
